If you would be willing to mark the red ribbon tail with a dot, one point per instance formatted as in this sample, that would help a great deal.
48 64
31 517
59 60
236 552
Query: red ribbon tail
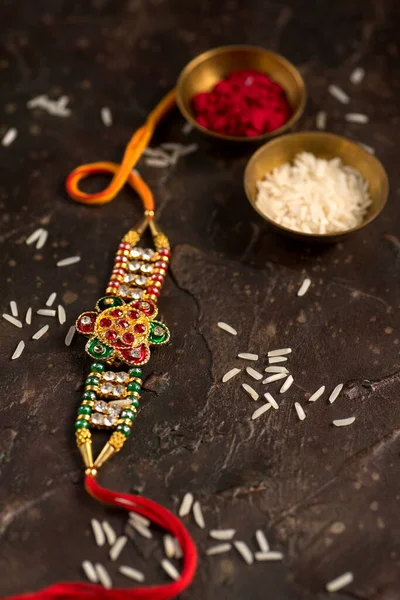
159 516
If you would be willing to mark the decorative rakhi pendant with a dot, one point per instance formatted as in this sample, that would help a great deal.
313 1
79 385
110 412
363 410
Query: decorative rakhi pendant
121 330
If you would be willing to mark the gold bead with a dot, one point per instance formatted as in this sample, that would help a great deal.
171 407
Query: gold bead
117 440
137 379
91 471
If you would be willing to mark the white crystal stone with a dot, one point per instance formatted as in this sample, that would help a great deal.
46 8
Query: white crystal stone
97 419
136 252
134 265
136 293
109 420
124 290
86 320
121 377
146 268
101 406
118 390
106 388
109 376
148 253
158 330
129 278
140 280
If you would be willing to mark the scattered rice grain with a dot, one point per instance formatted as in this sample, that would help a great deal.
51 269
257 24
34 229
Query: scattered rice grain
14 308
187 128
198 515
186 505
276 370
117 548
106 116
276 359
356 118
51 298
169 546
34 236
261 556
317 394
218 549
262 541
12 320
131 573
98 532
369 149
18 350
335 393
42 239
156 162
275 377
248 356
62 316
280 352
230 374
104 577
71 260
170 569
357 75
9 137
251 391
46 312
185 150
40 332
134 516
260 411
320 121
253 373
141 529
222 534
244 551
300 412
303 289
90 571
226 327
109 532
70 335
271 400
339 94
343 422
28 316
178 549
286 385
340 582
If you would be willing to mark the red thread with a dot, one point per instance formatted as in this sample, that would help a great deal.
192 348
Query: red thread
158 515
245 104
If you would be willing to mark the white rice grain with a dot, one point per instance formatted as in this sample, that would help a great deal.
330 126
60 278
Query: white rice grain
170 569
244 551
131 573
71 260
42 239
280 352
70 335
261 556
90 571
251 391
218 549
141 529
187 128
34 236
98 532
185 150
262 541
369 149
106 116
303 289
178 549
62 316
300 412
253 373
226 327
51 298
230 374
40 332
286 385
169 546
248 356
276 359
134 516
9 137
276 370
356 118
14 308
159 163
12 320
198 515
46 312
186 505
320 120
335 393
340 582
28 316
271 400
18 350
117 548
104 577
222 534
339 94
343 422
317 394
275 377
111 536
260 411
357 75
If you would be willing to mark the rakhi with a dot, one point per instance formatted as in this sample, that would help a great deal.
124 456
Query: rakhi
120 331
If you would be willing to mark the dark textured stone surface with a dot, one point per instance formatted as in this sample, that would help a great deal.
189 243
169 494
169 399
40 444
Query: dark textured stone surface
327 497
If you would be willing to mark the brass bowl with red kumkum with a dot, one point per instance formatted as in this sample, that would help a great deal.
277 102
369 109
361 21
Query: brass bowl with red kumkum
122 332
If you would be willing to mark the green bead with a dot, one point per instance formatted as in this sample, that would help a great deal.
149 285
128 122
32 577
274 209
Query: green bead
96 366
92 381
135 372
127 414
133 386
125 429
134 401
82 424
84 410
89 395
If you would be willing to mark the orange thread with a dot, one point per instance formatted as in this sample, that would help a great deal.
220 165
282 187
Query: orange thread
122 173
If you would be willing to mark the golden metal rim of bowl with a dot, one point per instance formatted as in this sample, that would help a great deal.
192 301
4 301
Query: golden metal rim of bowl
245 48
378 167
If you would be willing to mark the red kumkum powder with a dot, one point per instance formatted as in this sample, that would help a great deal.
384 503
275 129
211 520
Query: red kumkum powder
245 104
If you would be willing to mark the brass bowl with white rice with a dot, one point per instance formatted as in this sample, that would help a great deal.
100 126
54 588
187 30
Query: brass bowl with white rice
316 186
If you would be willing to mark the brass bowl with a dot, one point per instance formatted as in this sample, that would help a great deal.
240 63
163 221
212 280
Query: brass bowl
323 145
207 69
